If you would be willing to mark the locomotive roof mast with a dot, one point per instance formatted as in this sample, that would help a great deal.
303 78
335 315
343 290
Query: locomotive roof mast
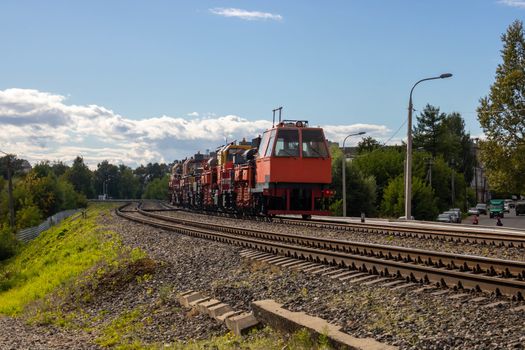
276 109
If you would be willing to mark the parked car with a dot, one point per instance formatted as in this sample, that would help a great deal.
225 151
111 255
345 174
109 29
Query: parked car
444 217
473 211
506 207
520 208
482 207
454 216
510 202
458 211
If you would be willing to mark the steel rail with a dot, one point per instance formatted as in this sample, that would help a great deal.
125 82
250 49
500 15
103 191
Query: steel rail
409 270
477 264
452 234
478 236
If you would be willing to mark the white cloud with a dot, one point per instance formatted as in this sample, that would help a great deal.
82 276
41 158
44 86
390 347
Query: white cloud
40 126
193 114
513 3
246 15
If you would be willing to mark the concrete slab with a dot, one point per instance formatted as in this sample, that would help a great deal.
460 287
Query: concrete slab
186 299
355 275
337 271
240 324
424 289
285 261
198 301
293 263
271 313
478 300
219 309
250 254
376 281
405 286
270 258
186 292
262 257
321 270
254 254
496 304
204 306
440 292
343 274
224 316
300 266
518 309
313 267
459 296
276 260
363 279
393 283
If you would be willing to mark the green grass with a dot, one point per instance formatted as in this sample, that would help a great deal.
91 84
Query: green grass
52 277
55 258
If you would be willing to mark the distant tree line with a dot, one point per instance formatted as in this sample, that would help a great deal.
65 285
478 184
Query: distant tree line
50 187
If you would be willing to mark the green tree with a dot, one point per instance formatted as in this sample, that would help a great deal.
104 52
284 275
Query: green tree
129 184
157 189
59 168
107 175
383 164
80 177
367 144
360 188
502 117
423 201
428 130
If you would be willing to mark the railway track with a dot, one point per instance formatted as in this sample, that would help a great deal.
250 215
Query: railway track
451 234
414 265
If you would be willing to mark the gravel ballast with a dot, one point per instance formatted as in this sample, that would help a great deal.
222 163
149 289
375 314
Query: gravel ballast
181 263
402 318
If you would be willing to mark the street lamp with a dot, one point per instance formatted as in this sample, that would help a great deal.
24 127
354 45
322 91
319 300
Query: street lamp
344 169
408 170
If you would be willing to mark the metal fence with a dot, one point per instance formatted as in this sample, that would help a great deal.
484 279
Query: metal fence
30 233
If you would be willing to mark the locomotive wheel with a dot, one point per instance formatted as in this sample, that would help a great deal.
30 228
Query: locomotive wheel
306 216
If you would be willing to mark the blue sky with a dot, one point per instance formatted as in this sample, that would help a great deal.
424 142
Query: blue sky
344 64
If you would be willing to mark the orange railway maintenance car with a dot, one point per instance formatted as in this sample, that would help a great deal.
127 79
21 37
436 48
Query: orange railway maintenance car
286 171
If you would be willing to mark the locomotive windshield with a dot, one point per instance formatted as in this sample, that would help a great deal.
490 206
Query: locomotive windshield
313 144
287 144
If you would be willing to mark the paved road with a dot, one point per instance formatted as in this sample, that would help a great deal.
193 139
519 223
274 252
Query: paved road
510 220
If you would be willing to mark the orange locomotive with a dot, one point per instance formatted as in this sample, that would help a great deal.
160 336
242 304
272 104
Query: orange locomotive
287 171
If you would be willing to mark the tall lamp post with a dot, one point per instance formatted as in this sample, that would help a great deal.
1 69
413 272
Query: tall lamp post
344 169
408 170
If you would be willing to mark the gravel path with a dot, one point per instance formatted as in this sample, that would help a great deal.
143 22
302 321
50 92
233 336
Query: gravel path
509 253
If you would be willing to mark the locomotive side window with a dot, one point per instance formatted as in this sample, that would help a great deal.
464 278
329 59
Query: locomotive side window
269 149
313 144
287 144
264 144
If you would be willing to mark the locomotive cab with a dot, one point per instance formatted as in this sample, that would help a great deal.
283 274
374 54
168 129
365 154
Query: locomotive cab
293 169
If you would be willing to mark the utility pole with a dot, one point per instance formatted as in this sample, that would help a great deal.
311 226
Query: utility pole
452 185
